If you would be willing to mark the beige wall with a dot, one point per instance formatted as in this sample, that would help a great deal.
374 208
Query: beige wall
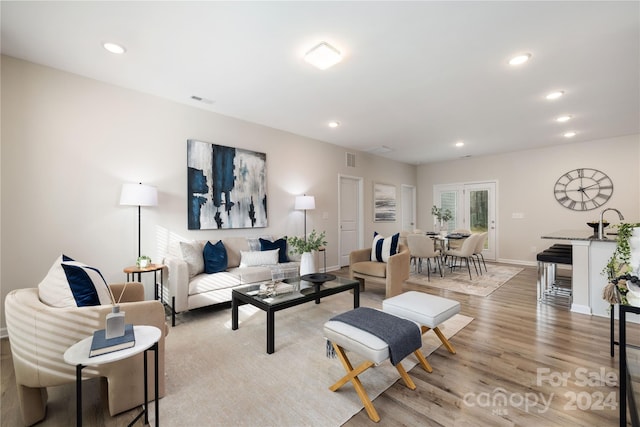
68 144
525 185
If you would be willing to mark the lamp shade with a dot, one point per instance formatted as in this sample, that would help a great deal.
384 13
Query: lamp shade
305 202
138 195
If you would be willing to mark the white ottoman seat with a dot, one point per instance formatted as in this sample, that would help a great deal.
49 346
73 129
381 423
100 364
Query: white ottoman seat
374 350
356 340
430 311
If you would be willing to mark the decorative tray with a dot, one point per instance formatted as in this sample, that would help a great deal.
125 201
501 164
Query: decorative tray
318 277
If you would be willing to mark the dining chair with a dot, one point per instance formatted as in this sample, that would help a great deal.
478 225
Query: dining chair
457 243
421 247
479 248
464 253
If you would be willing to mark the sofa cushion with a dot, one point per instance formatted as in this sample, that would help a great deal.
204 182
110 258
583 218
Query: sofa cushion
72 284
192 254
211 282
256 258
215 257
370 268
281 244
383 248
234 245
254 274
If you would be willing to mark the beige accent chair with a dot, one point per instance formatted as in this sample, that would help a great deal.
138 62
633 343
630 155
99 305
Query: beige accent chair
40 334
422 247
391 274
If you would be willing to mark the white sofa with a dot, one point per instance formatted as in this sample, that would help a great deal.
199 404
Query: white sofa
189 287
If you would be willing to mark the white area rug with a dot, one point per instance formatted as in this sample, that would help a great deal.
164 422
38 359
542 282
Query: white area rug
458 280
216 376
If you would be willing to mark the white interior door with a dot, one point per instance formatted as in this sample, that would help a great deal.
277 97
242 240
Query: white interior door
474 208
350 220
408 207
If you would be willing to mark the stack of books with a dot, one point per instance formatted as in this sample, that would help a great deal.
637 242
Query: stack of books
101 345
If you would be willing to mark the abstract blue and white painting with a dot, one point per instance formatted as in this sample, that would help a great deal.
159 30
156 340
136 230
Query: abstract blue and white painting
384 202
226 187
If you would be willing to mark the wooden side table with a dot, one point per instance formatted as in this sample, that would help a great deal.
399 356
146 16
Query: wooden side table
147 338
152 268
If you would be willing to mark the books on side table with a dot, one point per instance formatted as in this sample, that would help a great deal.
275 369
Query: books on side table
102 345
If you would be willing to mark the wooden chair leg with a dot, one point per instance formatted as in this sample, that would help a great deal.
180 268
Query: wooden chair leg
440 335
407 379
423 361
352 375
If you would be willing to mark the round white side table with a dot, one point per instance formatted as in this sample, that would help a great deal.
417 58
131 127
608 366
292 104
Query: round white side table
147 338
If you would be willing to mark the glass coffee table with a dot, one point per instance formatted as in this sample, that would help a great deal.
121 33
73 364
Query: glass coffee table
289 293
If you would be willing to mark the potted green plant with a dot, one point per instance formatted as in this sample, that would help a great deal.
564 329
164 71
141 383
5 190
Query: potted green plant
305 247
143 261
443 216
618 269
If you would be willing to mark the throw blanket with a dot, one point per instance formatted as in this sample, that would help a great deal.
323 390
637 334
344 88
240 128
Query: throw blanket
402 336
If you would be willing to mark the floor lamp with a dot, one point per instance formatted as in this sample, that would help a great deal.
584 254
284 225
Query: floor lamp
305 203
138 195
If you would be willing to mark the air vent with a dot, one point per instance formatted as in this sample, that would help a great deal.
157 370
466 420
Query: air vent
351 160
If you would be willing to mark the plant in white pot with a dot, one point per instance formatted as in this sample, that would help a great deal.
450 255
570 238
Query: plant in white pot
306 247
623 268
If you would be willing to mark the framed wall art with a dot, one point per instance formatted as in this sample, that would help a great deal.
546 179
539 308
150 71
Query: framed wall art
384 202
226 187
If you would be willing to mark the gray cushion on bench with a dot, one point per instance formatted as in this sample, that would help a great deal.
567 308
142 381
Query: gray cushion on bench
402 336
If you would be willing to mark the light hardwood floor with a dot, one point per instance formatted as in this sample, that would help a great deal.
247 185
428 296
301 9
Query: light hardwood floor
517 349
513 349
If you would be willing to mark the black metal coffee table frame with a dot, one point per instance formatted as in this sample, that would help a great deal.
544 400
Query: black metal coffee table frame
307 292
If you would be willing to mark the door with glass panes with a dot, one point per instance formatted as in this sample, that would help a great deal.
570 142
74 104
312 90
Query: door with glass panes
473 209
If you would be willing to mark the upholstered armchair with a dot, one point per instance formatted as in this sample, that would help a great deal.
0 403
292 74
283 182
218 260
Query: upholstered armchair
40 334
391 274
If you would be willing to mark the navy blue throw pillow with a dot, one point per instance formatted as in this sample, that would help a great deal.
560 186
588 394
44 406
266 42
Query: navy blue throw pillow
267 245
215 257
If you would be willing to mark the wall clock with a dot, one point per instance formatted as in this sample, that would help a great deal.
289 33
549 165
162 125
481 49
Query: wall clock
583 189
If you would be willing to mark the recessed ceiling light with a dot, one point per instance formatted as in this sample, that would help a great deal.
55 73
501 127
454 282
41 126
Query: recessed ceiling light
569 134
555 95
459 144
323 56
334 124
563 119
520 59
114 48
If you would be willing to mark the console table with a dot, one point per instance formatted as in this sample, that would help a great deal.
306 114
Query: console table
629 373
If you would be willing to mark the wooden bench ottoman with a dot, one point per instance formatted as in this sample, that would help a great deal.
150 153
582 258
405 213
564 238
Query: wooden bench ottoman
346 337
427 310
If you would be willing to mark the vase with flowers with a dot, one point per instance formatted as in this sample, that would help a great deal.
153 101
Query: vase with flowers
623 268
306 247
443 216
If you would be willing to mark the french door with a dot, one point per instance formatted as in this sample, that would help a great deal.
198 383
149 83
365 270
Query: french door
473 206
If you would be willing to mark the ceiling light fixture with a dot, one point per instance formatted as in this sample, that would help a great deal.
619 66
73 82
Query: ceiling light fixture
459 144
563 119
520 59
569 134
555 95
334 124
114 48
323 56
379 150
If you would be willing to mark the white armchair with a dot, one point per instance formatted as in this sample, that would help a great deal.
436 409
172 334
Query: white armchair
39 335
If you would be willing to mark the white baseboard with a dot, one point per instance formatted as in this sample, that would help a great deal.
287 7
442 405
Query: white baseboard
516 261
3 333
582 309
